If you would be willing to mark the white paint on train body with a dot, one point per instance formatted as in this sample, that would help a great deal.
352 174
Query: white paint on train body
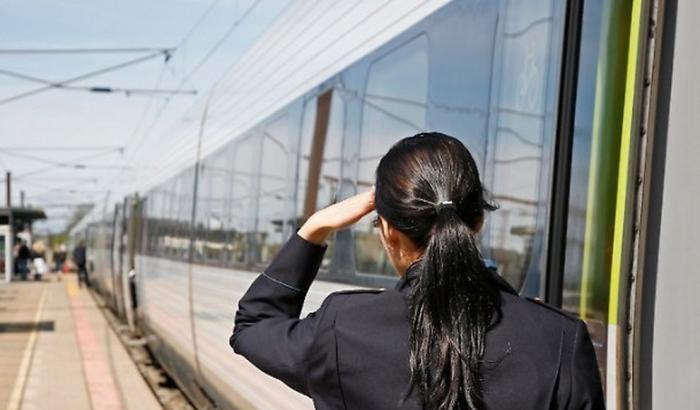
498 92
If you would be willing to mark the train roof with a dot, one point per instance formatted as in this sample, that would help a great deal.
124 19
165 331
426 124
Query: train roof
308 44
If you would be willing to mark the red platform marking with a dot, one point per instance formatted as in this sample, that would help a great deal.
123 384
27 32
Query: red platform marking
98 376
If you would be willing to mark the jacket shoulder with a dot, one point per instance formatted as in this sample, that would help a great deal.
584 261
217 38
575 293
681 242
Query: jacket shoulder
337 299
363 291
552 309
547 318
351 299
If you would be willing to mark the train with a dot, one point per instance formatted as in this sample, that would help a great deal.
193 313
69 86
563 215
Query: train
567 109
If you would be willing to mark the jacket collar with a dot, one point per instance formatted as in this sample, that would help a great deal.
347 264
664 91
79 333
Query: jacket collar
411 274
404 284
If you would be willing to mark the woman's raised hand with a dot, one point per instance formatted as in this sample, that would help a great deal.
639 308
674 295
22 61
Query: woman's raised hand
337 216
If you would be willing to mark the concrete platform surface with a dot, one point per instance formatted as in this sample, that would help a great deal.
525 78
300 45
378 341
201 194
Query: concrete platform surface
58 352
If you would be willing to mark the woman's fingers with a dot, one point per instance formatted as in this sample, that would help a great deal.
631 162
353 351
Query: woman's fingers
350 210
337 216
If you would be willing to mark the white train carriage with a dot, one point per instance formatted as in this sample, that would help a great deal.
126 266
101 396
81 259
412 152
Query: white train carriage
549 96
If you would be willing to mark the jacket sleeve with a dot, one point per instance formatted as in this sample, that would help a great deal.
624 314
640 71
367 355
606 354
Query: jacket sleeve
586 387
268 331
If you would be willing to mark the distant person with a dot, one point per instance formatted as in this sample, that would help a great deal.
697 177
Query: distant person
24 255
59 258
452 335
80 259
41 268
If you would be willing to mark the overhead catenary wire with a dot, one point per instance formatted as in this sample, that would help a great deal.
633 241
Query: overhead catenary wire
53 162
123 50
52 166
95 89
71 80
71 148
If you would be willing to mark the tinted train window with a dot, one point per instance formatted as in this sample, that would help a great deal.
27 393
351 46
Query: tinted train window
394 106
239 214
320 158
273 199
213 195
524 96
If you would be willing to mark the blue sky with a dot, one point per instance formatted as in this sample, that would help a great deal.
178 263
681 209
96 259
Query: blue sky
78 118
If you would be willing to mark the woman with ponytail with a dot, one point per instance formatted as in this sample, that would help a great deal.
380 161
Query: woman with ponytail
452 335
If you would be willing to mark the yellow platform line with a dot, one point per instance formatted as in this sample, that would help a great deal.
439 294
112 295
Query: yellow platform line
71 288
18 389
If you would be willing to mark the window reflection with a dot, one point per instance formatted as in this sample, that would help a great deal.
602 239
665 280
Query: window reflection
214 191
320 158
169 227
272 221
174 224
241 200
394 106
520 139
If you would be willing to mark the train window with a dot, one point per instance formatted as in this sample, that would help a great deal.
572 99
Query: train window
186 200
177 239
213 195
162 208
461 77
394 106
320 158
524 98
156 217
240 205
273 221
201 210
166 203
170 228
149 224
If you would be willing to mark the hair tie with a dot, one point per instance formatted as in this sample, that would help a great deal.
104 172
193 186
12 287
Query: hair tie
444 204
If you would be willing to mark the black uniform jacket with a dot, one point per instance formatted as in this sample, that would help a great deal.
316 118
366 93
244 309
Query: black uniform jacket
352 353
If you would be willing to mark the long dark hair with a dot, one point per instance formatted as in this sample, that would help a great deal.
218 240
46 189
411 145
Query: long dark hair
428 187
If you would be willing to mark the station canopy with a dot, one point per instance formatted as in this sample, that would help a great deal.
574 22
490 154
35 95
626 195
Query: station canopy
21 215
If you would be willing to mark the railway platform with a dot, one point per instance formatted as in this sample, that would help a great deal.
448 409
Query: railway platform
57 351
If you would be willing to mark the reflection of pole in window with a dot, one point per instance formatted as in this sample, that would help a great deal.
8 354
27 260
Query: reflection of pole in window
318 143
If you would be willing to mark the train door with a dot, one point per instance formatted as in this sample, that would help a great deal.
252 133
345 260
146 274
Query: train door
130 245
587 182
115 259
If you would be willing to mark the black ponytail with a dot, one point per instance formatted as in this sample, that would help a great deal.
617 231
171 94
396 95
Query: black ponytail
428 187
